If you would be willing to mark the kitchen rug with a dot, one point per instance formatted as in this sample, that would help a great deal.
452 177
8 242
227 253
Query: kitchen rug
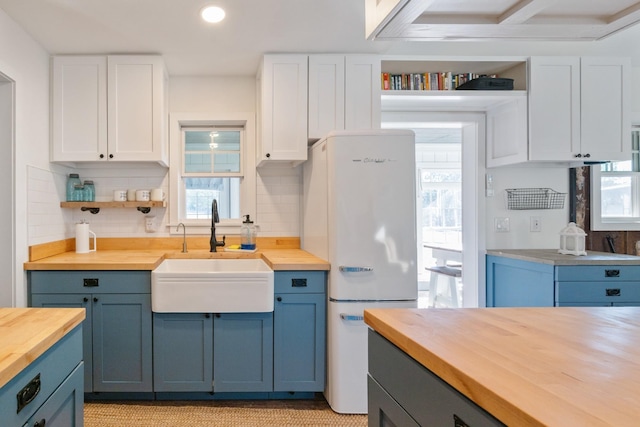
263 413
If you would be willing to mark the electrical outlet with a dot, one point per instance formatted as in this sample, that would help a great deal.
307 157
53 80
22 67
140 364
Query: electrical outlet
534 224
501 225
150 224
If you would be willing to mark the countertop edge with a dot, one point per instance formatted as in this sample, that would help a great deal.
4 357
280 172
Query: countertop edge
552 257
18 359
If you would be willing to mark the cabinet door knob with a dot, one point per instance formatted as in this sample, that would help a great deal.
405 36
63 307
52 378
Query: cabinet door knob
95 299
102 156
587 155
207 316
267 155
279 299
111 156
578 155
40 423
85 299
218 315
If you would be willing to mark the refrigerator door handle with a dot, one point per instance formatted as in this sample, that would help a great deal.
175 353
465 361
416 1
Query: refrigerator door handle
345 316
349 269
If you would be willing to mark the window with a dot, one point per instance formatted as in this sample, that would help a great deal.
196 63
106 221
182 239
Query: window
211 169
615 195
212 157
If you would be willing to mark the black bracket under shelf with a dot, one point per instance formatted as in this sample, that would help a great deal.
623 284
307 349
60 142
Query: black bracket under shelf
92 210
144 210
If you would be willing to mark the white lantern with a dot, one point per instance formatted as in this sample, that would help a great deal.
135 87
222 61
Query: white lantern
572 240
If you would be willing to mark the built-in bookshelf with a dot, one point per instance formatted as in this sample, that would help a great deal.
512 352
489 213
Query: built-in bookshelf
442 80
429 83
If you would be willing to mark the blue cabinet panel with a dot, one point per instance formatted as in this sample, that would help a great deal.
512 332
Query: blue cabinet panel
182 352
243 352
122 352
299 342
516 283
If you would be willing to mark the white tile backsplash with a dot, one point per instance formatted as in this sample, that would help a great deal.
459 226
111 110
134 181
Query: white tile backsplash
278 195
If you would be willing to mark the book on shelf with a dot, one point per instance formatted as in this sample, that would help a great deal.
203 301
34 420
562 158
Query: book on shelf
445 80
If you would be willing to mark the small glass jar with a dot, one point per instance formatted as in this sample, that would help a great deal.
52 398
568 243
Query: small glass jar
72 180
78 193
89 192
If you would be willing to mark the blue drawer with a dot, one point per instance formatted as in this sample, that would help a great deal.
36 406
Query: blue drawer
299 282
99 282
597 292
596 273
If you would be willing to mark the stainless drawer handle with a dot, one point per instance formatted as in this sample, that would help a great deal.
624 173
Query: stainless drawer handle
612 273
345 316
348 269
613 292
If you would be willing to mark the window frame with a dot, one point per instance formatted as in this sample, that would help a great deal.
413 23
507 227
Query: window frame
629 223
176 159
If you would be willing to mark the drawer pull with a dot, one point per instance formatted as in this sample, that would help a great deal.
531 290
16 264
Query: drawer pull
298 283
612 273
28 393
458 422
351 317
613 292
90 283
40 423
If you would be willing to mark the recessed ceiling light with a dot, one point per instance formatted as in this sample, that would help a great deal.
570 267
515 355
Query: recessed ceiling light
212 14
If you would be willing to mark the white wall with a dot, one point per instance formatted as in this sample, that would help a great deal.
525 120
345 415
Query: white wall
26 63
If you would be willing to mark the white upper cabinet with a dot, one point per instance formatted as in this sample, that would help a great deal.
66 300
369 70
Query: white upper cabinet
578 109
326 94
282 109
344 93
301 98
109 108
362 94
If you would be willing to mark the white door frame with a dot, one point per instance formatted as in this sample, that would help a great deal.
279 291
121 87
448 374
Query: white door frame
473 202
7 193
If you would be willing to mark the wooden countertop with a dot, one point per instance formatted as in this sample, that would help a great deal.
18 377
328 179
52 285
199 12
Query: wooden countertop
26 333
556 366
551 256
149 259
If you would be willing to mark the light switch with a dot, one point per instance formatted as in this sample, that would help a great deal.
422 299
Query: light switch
501 225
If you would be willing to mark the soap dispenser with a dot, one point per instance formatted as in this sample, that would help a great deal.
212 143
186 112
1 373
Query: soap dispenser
247 234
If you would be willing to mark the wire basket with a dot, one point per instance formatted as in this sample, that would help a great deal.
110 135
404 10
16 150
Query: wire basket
534 198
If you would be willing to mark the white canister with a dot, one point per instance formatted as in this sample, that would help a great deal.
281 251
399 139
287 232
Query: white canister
82 238
157 195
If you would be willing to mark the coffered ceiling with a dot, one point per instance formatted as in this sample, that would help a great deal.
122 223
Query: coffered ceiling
498 19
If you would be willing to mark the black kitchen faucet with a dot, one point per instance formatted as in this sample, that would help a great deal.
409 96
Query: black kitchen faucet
214 243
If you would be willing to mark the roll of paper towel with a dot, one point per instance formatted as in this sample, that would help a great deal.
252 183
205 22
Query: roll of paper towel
83 240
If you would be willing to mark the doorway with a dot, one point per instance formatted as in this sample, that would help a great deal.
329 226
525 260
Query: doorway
7 235
450 206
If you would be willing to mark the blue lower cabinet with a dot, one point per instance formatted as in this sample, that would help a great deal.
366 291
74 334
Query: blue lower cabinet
49 391
243 352
299 331
117 330
198 352
519 283
182 352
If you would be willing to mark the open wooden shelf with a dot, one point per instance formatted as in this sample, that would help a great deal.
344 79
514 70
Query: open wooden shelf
94 207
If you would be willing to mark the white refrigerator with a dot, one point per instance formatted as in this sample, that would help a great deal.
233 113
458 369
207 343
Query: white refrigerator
359 213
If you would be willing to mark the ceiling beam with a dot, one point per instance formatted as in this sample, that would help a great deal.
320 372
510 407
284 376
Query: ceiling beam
524 10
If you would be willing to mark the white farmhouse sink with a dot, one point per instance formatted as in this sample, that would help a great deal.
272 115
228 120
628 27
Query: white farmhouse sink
212 286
